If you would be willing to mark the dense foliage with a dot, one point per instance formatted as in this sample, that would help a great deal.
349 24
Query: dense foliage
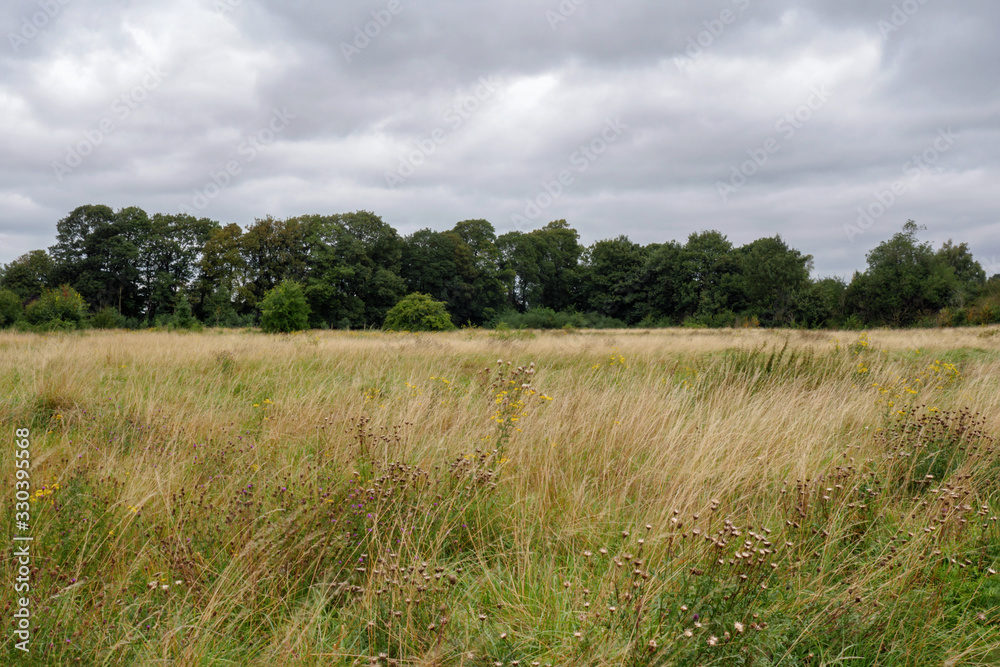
354 267
284 309
418 312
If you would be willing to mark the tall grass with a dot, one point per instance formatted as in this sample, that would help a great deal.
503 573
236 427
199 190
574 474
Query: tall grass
677 497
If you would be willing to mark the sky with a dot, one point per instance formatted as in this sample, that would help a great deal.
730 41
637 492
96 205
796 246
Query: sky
827 122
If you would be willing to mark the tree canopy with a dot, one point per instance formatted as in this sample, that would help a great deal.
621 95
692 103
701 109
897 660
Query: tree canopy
351 270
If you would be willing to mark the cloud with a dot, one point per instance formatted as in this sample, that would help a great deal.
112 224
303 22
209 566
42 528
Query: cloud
701 86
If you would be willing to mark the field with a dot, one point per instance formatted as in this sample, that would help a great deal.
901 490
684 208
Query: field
674 497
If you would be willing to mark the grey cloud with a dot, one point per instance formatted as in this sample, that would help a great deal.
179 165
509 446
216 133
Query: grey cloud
690 119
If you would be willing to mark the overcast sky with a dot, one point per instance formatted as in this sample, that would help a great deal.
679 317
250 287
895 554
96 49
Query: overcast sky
829 122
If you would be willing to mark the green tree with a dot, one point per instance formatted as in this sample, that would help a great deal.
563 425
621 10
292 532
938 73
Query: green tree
98 253
221 266
169 256
663 281
28 275
969 273
183 317
353 276
11 308
823 303
542 267
486 296
273 251
905 279
611 277
711 275
444 266
107 318
418 312
773 277
520 254
217 308
284 309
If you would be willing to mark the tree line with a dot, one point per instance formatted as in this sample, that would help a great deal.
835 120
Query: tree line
130 269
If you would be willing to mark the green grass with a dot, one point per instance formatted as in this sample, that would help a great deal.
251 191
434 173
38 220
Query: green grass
313 500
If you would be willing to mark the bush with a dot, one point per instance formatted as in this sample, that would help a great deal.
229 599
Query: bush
108 318
284 309
183 316
63 304
546 318
418 312
11 309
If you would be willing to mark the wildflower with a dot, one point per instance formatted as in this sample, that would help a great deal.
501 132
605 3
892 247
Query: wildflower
713 640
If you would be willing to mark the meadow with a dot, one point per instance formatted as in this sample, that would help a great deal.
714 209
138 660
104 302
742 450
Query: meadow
668 497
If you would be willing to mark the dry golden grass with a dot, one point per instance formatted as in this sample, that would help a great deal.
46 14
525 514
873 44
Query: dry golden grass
674 429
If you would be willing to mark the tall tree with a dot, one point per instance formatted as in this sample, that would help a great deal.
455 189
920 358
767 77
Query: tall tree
904 280
29 275
520 255
969 273
773 277
273 251
221 272
169 259
663 278
353 277
612 276
486 279
712 275
97 252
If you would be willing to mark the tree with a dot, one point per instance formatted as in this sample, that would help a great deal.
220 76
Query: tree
611 278
905 279
98 251
711 275
559 264
273 251
11 309
969 273
28 275
485 279
444 266
520 255
418 312
663 280
183 316
823 303
169 257
542 266
353 276
284 309
217 308
772 278
221 266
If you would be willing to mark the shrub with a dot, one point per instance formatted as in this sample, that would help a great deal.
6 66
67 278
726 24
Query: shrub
284 309
183 316
418 312
108 318
546 318
63 304
11 309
